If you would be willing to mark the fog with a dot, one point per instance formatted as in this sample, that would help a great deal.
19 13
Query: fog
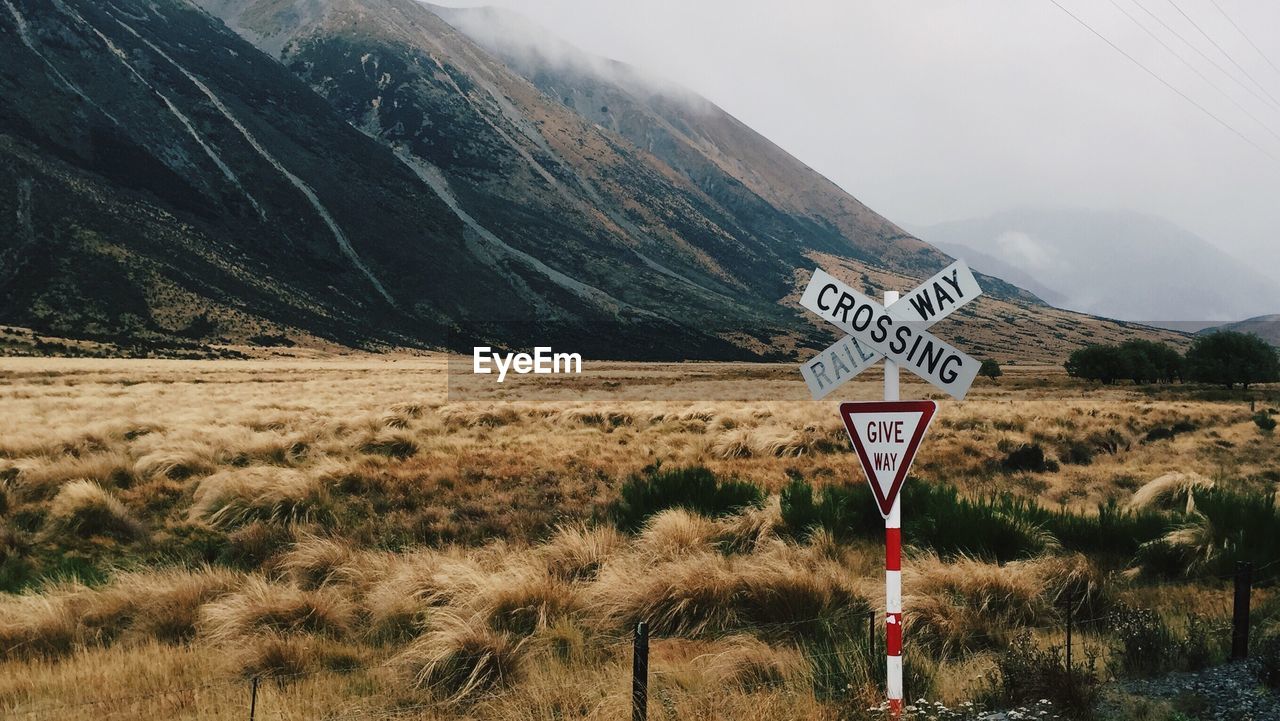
933 110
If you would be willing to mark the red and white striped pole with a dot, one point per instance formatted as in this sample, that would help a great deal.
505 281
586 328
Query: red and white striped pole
893 562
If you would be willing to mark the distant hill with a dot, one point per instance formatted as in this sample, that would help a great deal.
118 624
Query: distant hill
1003 270
1116 264
1266 327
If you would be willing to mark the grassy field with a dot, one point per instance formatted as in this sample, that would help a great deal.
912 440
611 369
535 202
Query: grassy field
341 529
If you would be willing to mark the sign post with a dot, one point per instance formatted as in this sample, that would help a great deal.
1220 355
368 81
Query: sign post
893 561
886 435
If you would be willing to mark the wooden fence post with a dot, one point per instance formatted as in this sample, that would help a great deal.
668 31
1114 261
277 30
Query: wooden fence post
640 673
1240 611
1070 611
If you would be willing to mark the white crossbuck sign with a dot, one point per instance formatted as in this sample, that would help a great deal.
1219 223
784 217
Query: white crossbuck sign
897 332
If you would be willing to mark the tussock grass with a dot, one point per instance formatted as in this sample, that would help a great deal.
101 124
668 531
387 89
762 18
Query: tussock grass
1171 491
274 468
260 606
390 444
39 625
576 552
85 509
524 599
706 592
287 657
313 562
808 441
235 497
735 444
162 605
747 663
965 604
676 532
177 464
412 585
460 657
472 417
41 479
752 528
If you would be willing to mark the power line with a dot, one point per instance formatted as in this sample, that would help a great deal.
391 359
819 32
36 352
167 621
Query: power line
1194 69
1244 35
1230 75
1164 82
1222 50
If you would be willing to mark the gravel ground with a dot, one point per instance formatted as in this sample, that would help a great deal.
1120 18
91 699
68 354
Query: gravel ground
1228 692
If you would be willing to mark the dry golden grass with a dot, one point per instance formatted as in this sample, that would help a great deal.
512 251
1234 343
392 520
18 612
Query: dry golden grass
1172 490
576 552
462 656
237 496
263 607
401 551
85 509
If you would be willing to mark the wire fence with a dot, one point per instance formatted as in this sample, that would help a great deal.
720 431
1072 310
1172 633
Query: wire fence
851 658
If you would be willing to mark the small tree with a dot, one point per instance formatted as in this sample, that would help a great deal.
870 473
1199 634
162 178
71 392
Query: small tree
990 369
1228 358
1105 363
1151 362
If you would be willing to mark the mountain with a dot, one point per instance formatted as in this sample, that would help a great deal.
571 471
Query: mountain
1116 264
1003 270
362 173
1266 327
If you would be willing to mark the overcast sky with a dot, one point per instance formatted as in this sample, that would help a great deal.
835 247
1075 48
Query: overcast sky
934 110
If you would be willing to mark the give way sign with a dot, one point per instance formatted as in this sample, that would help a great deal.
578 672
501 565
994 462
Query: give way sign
886 435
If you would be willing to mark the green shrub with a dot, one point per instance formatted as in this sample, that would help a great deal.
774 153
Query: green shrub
1264 421
847 664
1027 457
1110 442
1113 530
1198 649
1077 453
846 511
996 528
1227 527
999 528
1028 673
990 368
694 488
1147 646
1266 662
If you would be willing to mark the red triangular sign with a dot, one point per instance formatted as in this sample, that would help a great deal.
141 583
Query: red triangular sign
886 435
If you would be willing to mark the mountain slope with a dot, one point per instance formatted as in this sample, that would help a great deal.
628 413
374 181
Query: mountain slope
367 175
173 181
529 177
1118 264
262 211
741 170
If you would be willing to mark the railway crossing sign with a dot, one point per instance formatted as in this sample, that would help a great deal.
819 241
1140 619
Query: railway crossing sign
898 332
886 436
